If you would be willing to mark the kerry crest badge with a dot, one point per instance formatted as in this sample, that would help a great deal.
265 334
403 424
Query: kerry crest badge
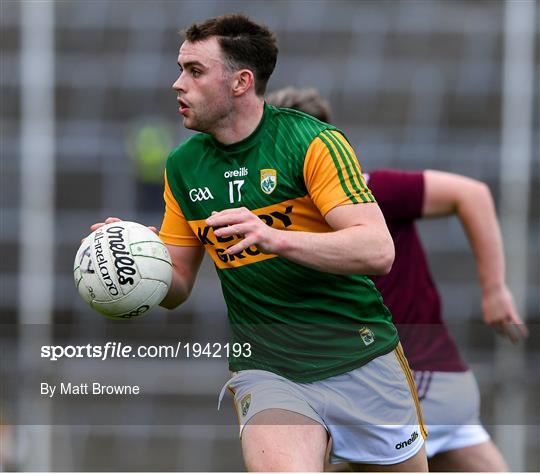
268 180
367 336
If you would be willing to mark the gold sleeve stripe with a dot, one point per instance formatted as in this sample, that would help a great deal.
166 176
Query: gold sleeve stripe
347 167
348 150
339 167
337 140
351 165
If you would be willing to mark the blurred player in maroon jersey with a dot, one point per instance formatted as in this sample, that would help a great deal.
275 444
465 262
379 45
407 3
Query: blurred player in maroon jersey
447 389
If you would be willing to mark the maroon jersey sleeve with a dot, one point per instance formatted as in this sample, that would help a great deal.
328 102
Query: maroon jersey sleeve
400 194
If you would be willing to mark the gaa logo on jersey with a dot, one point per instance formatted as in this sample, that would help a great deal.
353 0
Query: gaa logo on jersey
200 194
268 180
367 336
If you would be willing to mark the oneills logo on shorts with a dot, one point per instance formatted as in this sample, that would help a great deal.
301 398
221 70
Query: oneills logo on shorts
200 194
410 441
244 404
268 180
367 336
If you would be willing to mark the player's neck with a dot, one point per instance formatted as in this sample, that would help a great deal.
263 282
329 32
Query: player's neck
241 123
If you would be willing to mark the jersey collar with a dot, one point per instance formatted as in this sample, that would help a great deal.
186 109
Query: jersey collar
248 141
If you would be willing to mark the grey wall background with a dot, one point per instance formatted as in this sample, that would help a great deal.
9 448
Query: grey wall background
415 84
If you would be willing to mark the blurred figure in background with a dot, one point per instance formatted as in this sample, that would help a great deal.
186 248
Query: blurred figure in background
148 145
447 389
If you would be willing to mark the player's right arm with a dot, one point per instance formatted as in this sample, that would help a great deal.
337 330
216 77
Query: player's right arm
185 249
359 242
186 262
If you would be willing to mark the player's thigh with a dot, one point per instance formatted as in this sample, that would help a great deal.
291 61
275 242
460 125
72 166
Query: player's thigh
483 457
416 463
341 467
281 440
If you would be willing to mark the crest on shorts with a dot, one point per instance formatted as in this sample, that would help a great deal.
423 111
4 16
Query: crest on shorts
268 180
245 403
367 335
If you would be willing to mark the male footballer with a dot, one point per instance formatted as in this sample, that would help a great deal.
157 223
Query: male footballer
446 387
278 201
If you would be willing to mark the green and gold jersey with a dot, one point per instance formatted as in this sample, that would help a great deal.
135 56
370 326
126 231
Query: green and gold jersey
303 324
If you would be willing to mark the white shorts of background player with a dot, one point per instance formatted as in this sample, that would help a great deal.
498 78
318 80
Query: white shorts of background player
451 406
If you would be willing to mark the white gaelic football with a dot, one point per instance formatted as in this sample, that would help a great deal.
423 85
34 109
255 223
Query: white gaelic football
122 270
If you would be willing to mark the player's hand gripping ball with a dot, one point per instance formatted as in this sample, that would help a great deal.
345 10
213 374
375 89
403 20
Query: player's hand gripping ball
122 270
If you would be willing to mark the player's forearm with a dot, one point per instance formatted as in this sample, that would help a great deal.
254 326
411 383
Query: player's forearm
476 212
178 292
348 251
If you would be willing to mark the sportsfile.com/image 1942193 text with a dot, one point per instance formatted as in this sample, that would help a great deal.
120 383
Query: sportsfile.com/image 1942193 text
119 350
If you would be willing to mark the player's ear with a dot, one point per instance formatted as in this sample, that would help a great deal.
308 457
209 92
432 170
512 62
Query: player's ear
243 80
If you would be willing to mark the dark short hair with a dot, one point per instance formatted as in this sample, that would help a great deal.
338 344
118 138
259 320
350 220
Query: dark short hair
305 100
245 44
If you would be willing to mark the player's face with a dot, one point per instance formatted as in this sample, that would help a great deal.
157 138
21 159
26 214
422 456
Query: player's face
203 89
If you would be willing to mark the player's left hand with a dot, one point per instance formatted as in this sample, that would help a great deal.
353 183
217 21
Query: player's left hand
241 221
500 313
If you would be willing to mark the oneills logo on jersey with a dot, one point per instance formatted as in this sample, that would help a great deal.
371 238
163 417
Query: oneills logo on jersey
245 403
236 173
268 180
367 336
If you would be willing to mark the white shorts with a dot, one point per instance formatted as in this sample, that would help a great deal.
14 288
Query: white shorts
372 413
451 407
